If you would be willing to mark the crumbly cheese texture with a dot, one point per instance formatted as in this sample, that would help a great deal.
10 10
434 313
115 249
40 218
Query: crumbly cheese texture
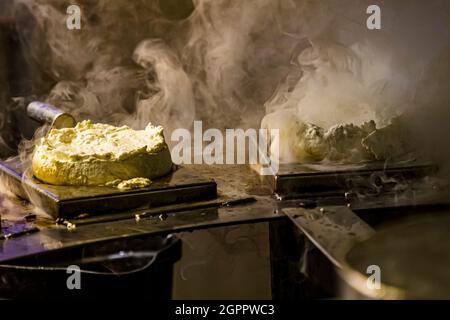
101 154
390 142
134 183
345 143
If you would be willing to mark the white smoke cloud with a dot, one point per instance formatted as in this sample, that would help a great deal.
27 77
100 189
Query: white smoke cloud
230 62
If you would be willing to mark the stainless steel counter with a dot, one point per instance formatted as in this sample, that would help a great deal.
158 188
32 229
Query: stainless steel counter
234 183
255 203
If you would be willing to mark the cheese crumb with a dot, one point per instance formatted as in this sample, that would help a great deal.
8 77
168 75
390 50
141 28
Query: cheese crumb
134 183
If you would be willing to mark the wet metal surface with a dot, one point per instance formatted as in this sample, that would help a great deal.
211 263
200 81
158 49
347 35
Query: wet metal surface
333 229
243 197
15 229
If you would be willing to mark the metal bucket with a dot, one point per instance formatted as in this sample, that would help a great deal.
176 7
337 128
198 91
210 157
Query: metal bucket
409 259
131 268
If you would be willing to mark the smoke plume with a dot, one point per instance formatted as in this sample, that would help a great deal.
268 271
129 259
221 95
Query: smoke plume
230 62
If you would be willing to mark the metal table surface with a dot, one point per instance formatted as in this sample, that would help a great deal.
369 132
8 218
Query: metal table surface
234 182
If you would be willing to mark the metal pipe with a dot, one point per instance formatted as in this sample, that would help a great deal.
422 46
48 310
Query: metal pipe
46 113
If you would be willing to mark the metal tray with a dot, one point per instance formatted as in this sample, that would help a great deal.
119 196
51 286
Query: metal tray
182 185
326 179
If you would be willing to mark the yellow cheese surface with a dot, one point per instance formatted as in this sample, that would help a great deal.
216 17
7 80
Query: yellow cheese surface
98 154
134 183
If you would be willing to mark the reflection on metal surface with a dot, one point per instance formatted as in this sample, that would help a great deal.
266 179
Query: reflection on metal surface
358 282
243 197
13 229
413 257
162 212
46 113
303 180
333 229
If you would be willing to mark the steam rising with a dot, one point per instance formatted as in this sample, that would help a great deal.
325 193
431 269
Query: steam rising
230 62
